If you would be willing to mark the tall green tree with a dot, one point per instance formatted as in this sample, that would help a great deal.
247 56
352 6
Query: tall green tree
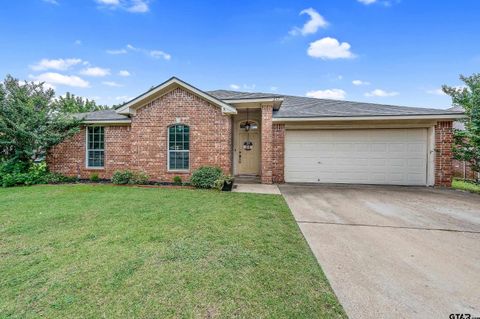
76 104
467 141
31 120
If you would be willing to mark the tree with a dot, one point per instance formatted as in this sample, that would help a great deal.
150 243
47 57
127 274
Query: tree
75 104
467 142
31 121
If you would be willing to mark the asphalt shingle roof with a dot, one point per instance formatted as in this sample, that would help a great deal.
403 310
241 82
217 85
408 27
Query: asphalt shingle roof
103 115
300 107
234 95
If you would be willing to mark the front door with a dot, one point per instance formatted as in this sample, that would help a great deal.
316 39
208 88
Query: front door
249 160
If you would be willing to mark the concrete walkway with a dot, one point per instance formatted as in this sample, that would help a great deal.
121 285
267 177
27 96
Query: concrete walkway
394 252
256 188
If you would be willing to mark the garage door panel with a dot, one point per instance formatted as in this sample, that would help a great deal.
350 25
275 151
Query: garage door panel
387 156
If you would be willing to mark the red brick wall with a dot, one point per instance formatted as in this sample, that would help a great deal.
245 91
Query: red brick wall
267 144
68 157
278 161
444 154
142 146
210 134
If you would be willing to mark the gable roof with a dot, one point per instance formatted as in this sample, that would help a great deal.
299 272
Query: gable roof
305 107
289 108
166 86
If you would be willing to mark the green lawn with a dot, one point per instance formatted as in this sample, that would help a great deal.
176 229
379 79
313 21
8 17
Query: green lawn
91 251
466 186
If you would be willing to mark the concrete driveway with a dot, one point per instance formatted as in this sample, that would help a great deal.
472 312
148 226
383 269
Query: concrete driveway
394 252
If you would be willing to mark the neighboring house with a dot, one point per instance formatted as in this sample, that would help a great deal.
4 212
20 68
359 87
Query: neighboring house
461 169
175 128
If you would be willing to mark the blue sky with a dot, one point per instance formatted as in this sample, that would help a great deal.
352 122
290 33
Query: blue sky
382 51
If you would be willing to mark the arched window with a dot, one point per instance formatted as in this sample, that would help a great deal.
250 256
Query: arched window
178 147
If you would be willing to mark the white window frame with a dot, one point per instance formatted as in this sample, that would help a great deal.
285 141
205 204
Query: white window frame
183 151
87 149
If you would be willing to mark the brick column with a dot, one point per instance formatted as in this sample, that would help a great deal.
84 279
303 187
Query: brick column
278 163
267 145
444 153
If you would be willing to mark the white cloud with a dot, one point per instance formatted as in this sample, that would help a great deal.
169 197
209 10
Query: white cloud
51 1
55 64
95 72
247 87
53 78
111 83
124 73
273 88
131 47
78 42
160 54
436 92
360 82
386 3
334 94
109 2
138 6
381 93
311 26
116 52
329 49
134 6
156 54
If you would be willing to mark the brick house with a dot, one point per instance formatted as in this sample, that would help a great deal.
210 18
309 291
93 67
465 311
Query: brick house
175 128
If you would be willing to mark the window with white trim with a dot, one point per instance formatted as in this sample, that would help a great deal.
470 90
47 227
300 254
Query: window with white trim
178 147
95 146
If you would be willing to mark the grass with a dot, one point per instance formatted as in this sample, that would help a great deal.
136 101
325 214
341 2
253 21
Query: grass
91 251
466 186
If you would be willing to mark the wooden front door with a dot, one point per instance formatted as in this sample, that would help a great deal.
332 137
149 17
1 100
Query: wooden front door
249 161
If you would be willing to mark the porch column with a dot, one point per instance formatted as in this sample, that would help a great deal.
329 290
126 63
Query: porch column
267 143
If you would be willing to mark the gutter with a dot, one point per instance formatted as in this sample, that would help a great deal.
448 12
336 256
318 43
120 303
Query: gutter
371 118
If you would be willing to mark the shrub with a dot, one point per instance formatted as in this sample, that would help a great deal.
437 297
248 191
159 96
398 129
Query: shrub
224 179
56 178
177 180
205 177
140 178
122 177
94 177
13 174
129 177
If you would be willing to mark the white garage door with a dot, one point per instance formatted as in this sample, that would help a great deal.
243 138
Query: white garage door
372 156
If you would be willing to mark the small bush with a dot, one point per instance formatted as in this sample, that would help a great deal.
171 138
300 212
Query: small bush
129 177
94 178
140 178
55 178
122 177
224 179
13 174
205 177
177 180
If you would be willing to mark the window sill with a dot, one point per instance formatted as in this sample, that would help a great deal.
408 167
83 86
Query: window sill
183 171
95 168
